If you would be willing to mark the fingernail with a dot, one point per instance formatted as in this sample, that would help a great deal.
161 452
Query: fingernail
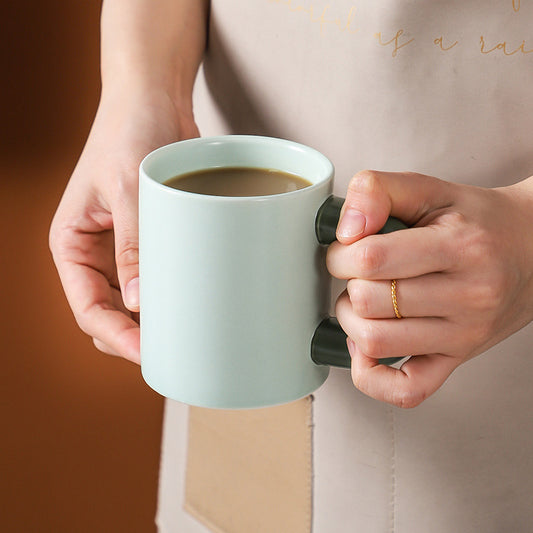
352 224
131 296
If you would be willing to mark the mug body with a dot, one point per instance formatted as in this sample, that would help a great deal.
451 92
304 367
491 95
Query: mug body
231 288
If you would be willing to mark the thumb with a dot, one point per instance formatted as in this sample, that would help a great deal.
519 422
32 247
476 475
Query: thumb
374 196
126 227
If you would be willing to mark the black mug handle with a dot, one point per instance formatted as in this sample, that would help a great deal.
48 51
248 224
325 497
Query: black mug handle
328 346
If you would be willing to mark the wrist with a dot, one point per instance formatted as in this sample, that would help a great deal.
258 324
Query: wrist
152 114
153 99
147 83
521 217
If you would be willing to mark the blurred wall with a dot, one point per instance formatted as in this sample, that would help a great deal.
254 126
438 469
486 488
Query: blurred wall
79 447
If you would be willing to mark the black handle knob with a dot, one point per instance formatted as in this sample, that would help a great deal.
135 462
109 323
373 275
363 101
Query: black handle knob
328 346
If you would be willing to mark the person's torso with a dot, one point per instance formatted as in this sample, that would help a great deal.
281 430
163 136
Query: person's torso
439 87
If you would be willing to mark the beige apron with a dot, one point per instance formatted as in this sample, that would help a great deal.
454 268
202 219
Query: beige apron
439 87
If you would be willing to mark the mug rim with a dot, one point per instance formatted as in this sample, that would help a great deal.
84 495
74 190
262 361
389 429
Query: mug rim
329 169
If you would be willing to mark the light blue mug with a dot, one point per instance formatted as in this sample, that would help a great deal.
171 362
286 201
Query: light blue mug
234 292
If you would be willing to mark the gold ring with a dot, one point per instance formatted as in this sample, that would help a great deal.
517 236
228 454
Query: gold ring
395 298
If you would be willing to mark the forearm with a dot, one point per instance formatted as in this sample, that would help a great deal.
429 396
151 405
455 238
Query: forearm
150 46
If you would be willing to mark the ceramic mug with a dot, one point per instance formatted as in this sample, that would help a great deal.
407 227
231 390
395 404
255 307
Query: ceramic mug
234 291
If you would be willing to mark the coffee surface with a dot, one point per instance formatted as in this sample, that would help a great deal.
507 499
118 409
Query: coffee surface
238 181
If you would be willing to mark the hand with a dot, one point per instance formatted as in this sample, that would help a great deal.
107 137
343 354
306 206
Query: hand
464 271
94 234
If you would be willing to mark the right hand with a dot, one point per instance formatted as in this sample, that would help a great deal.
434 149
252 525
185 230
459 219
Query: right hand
94 233
464 274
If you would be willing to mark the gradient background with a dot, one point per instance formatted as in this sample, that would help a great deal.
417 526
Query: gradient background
79 446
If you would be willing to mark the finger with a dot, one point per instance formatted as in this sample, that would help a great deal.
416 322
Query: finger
372 196
407 387
381 338
402 254
432 295
126 228
366 208
104 347
99 310
119 333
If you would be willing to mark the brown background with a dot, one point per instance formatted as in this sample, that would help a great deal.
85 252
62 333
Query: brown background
79 448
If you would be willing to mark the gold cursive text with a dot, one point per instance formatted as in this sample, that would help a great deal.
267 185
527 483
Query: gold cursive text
439 43
503 47
394 41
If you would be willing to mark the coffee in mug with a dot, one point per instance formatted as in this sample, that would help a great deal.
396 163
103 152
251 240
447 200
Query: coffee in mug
238 181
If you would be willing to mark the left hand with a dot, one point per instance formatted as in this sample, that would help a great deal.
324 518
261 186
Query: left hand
94 234
464 272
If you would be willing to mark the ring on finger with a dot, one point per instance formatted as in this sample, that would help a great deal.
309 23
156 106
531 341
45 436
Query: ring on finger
393 288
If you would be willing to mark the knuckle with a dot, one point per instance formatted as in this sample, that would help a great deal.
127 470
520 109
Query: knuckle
477 249
460 246
85 316
453 219
100 345
52 237
128 253
371 340
56 239
360 298
343 313
84 323
359 380
407 398
370 259
334 259
486 295
478 334
126 183
473 246
365 181
496 290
